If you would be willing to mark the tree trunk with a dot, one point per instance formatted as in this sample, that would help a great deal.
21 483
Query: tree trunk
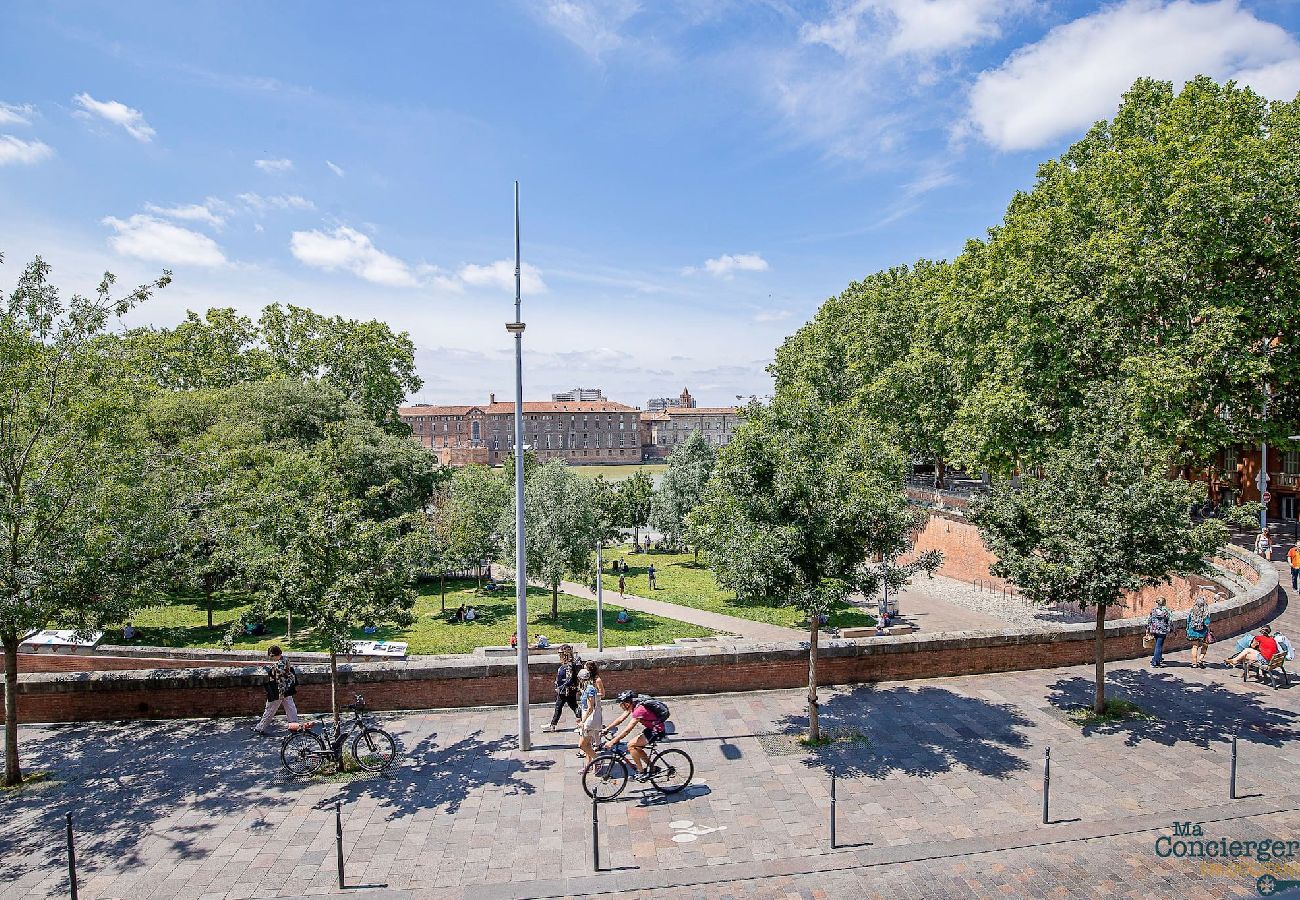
555 603
288 631
940 473
636 535
13 774
814 728
697 555
334 680
1099 640
442 589
208 599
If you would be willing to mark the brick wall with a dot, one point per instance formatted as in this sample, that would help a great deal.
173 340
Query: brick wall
471 681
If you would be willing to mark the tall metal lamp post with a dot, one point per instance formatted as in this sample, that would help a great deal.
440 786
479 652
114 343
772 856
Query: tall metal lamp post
521 568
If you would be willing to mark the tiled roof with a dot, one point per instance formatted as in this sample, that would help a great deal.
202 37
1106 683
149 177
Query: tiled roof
654 417
577 406
702 411
425 409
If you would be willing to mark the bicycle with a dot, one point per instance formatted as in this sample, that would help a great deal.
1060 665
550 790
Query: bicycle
606 776
304 751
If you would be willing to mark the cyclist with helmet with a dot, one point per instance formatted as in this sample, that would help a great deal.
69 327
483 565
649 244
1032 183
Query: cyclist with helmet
636 711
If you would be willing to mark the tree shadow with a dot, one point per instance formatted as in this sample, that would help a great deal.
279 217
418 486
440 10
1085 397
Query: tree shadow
433 777
1183 711
915 731
120 781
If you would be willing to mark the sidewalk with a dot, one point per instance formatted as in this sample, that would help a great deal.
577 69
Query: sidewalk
750 630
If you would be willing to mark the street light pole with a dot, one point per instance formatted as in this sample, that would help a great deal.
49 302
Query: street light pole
521 567
600 601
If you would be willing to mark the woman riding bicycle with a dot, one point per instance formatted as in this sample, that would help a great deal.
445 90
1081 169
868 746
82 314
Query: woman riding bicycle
653 727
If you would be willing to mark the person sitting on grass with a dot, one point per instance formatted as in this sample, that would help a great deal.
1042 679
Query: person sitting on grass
130 632
471 614
622 617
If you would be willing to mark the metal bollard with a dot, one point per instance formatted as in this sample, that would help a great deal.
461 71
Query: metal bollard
1047 782
72 858
595 836
338 838
1232 773
833 775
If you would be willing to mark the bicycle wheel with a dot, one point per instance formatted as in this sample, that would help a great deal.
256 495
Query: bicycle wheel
303 753
604 778
374 749
671 770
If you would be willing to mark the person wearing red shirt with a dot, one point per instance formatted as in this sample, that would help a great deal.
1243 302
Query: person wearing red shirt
1262 648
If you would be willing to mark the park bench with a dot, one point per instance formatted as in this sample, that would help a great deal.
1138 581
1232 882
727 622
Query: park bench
1274 671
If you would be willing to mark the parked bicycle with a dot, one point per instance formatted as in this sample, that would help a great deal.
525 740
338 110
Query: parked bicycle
304 752
606 776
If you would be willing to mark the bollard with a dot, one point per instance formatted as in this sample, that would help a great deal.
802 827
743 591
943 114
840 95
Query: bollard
72 858
833 773
595 836
1231 777
1047 782
338 836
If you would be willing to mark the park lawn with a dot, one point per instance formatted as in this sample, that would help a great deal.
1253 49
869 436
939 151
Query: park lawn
620 472
183 623
683 581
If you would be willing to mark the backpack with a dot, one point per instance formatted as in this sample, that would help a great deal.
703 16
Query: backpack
290 680
658 707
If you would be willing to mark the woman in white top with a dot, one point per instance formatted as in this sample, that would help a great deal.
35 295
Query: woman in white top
592 722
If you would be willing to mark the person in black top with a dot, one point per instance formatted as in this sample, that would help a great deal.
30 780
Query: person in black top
281 685
566 686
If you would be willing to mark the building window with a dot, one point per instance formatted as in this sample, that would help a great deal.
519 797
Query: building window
474 433
1291 462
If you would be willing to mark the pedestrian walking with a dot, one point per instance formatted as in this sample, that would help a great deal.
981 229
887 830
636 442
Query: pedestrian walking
590 721
1264 544
1198 630
651 573
1158 629
566 687
622 584
1293 558
281 685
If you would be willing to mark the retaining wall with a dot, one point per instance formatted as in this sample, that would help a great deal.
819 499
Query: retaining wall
473 681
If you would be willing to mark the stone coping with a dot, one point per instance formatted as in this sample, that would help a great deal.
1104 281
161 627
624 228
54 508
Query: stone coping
1259 598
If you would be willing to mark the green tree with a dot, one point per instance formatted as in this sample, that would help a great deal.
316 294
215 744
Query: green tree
78 508
635 497
799 501
1148 254
563 521
1095 522
682 487
879 352
477 498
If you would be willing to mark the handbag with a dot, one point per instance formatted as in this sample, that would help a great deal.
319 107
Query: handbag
1209 637
1148 640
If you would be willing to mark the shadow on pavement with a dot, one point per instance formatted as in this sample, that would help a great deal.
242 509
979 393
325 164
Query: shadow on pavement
916 731
1185 711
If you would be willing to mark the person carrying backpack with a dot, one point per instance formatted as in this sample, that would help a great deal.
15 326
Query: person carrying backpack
281 685
652 715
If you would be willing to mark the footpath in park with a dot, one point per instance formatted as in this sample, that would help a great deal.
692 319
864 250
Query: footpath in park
745 628
939 794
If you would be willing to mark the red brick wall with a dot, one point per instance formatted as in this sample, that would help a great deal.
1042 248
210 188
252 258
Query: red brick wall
73 662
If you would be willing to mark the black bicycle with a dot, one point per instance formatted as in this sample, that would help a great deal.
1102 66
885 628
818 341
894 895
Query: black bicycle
606 776
304 752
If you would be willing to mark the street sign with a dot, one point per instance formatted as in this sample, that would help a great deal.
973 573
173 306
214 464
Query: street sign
1267 496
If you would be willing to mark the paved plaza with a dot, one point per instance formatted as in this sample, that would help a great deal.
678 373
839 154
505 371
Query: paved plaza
943 798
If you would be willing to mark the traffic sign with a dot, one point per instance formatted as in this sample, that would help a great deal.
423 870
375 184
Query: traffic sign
1267 496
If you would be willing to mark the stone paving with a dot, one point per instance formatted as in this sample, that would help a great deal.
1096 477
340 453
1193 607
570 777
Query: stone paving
942 799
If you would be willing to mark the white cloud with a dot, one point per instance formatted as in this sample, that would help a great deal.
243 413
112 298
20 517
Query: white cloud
1077 72
337 170
772 315
191 212
260 204
911 26
274 166
16 114
501 275
15 151
348 249
117 114
727 265
592 25
151 238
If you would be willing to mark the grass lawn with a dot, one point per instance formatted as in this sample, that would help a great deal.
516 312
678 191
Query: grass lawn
681 580
618 472
183 623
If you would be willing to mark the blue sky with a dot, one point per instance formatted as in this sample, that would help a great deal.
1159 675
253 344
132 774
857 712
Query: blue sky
697 175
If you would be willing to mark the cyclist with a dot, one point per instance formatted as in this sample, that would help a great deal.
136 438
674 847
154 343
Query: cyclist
635 711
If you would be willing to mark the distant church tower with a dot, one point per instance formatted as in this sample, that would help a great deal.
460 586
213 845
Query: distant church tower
686 399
